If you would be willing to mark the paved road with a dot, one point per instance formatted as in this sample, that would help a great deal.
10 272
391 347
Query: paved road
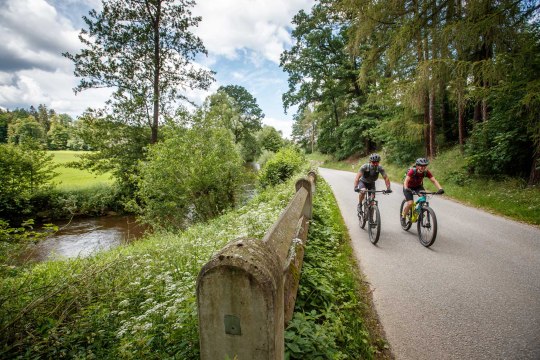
475 294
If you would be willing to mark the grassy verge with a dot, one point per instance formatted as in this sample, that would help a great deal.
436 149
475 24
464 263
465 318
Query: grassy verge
334 316
504 196
69 178
139 301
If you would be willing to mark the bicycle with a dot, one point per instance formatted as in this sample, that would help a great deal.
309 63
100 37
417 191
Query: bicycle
372 216
423 215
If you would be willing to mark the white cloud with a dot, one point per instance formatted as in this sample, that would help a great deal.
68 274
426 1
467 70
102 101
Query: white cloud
283 125
36 32
263 26
53 89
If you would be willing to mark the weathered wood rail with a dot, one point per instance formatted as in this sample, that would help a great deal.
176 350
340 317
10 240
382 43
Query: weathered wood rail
246 292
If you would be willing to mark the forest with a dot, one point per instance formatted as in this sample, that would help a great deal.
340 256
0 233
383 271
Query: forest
416 78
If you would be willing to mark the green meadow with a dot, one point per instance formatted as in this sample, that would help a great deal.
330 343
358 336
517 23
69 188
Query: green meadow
70 178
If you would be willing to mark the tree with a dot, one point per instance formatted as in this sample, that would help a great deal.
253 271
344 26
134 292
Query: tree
117 148
23 172
270 139
144 50
251 115
26 132
193 175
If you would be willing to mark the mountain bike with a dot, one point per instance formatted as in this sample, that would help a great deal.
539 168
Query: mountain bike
368 212
423 215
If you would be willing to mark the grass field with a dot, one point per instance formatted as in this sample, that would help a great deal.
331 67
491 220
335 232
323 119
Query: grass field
69 178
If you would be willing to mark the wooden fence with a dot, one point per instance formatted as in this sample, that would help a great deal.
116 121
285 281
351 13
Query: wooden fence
246 292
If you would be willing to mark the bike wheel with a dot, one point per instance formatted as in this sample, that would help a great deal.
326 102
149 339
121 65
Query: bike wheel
362 217
405 222
427 226
374 224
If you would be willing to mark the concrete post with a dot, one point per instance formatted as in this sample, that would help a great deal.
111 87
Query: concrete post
246 293
240 301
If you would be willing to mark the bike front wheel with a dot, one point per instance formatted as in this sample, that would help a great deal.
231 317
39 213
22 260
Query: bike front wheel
374 224
406 221
427 226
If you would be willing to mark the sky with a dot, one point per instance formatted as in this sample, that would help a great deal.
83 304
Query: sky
244 39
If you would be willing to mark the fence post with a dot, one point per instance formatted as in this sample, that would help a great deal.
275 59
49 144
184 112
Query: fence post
240 302
246 292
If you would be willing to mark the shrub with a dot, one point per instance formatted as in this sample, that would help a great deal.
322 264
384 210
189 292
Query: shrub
194 175
23 172
281 167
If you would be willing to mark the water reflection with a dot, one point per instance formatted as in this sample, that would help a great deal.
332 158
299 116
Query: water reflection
83 237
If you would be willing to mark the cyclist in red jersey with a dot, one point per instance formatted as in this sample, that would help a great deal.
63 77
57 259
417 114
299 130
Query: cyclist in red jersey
414 181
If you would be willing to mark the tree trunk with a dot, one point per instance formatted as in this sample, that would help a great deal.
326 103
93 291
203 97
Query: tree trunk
431 128
461 122
534 177
157 68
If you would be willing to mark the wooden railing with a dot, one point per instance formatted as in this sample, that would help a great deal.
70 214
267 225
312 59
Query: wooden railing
246 292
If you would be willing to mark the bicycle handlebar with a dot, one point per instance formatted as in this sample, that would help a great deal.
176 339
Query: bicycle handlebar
421 193
385 192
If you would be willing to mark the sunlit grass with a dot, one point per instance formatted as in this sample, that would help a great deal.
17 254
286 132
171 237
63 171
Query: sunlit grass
69 178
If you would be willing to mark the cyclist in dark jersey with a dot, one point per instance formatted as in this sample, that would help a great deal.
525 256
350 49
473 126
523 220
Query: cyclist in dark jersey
368 174
414 181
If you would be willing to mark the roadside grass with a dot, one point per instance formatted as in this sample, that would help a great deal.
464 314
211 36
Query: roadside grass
70 178
334 315
510 197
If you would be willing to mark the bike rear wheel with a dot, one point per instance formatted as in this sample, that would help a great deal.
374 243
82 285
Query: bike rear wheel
374 224
405 222
362 216
427 226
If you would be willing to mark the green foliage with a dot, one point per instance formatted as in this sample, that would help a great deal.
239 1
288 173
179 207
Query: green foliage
136 302
246 105
118 148
194 175
281 167
91 200
23 172
270 139
15 239
26 132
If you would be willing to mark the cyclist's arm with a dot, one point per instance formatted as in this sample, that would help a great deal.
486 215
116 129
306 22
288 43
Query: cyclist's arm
406 182
435 182
357 179
387 181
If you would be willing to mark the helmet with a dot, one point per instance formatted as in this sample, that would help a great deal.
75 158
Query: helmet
422 162
374 157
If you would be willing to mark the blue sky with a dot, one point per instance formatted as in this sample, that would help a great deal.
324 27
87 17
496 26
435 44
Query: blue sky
244 39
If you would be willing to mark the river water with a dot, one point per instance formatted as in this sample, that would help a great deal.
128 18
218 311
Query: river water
85 236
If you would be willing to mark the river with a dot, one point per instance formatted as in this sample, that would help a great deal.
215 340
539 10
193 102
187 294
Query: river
84 236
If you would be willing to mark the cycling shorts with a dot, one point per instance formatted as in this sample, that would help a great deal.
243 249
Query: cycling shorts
363 185
409 195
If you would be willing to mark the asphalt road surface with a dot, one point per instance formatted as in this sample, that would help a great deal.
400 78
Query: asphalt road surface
474 294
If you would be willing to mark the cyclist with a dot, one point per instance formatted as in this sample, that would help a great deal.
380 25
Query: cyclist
414 181
368 173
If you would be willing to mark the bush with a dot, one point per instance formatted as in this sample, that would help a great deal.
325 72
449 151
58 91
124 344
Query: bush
23 172
281 167
194 175
92 201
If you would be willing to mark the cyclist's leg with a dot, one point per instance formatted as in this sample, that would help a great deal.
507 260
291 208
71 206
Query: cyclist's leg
409 198
361 193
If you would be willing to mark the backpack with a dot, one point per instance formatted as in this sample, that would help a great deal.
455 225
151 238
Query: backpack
406 172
